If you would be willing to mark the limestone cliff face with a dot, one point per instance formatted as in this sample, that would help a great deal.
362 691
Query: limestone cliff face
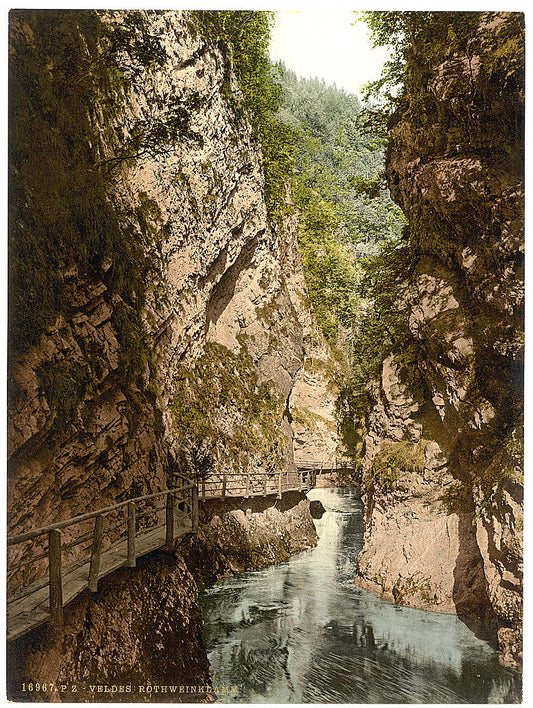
442 469
115 386
315 390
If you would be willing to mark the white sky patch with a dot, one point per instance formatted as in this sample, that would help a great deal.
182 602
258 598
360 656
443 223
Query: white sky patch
327 45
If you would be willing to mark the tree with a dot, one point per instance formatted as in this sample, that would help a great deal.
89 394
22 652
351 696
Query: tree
344 208
196 457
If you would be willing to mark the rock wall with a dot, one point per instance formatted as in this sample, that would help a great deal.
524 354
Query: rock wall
241 534
143 629
156 311
314 394
115 387
442 471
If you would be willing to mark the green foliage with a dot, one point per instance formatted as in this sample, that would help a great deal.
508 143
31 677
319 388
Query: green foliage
366 185
382 325
391 463
278 144
224 385
158 134
344 207
65 385
196 457
244 35
131 336
507 463
416 584
392 30
457 497
417 39
349 238
129 41
352 409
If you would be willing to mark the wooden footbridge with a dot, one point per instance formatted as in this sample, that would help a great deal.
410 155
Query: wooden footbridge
51 565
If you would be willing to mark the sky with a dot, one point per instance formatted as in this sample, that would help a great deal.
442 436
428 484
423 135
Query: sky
327 45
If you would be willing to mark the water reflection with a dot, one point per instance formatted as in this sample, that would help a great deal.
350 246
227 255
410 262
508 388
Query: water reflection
301 632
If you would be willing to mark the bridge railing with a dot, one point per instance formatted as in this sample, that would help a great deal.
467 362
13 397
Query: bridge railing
96 532
326 466
239 484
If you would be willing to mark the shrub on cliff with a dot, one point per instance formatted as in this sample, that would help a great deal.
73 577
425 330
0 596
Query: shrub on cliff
416 38
244 36
392 462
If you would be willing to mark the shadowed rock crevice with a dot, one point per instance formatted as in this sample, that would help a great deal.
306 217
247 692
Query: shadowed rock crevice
470 587
224 290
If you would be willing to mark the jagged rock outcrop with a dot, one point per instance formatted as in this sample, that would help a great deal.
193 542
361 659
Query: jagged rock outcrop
312 407
442 468
315 390
237 535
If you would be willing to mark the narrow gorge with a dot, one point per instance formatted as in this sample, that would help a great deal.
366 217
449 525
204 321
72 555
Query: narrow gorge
229 285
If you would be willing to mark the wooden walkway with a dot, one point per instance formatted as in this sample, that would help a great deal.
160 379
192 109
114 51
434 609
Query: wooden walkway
33 609
43 599
113 538
302 479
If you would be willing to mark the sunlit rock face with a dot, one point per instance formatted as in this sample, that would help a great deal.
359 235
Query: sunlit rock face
224 289
210 356
451 537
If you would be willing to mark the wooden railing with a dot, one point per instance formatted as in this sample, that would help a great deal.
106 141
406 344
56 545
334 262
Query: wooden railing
325 466
117 535
239 484
120 533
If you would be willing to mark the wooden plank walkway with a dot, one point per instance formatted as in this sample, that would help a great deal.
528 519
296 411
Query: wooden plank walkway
33 609
43 600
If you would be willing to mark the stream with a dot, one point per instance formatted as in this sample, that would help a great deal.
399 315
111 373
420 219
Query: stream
301 632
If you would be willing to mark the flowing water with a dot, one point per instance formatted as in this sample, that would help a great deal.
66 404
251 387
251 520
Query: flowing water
301 632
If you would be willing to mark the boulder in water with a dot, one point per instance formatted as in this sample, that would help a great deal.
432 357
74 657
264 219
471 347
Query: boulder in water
317 509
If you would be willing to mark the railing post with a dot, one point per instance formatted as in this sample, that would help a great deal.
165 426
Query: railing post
265 485
280 484
224 486
171 505
179 484
247 489
55 576
131 535
96 551
194 508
